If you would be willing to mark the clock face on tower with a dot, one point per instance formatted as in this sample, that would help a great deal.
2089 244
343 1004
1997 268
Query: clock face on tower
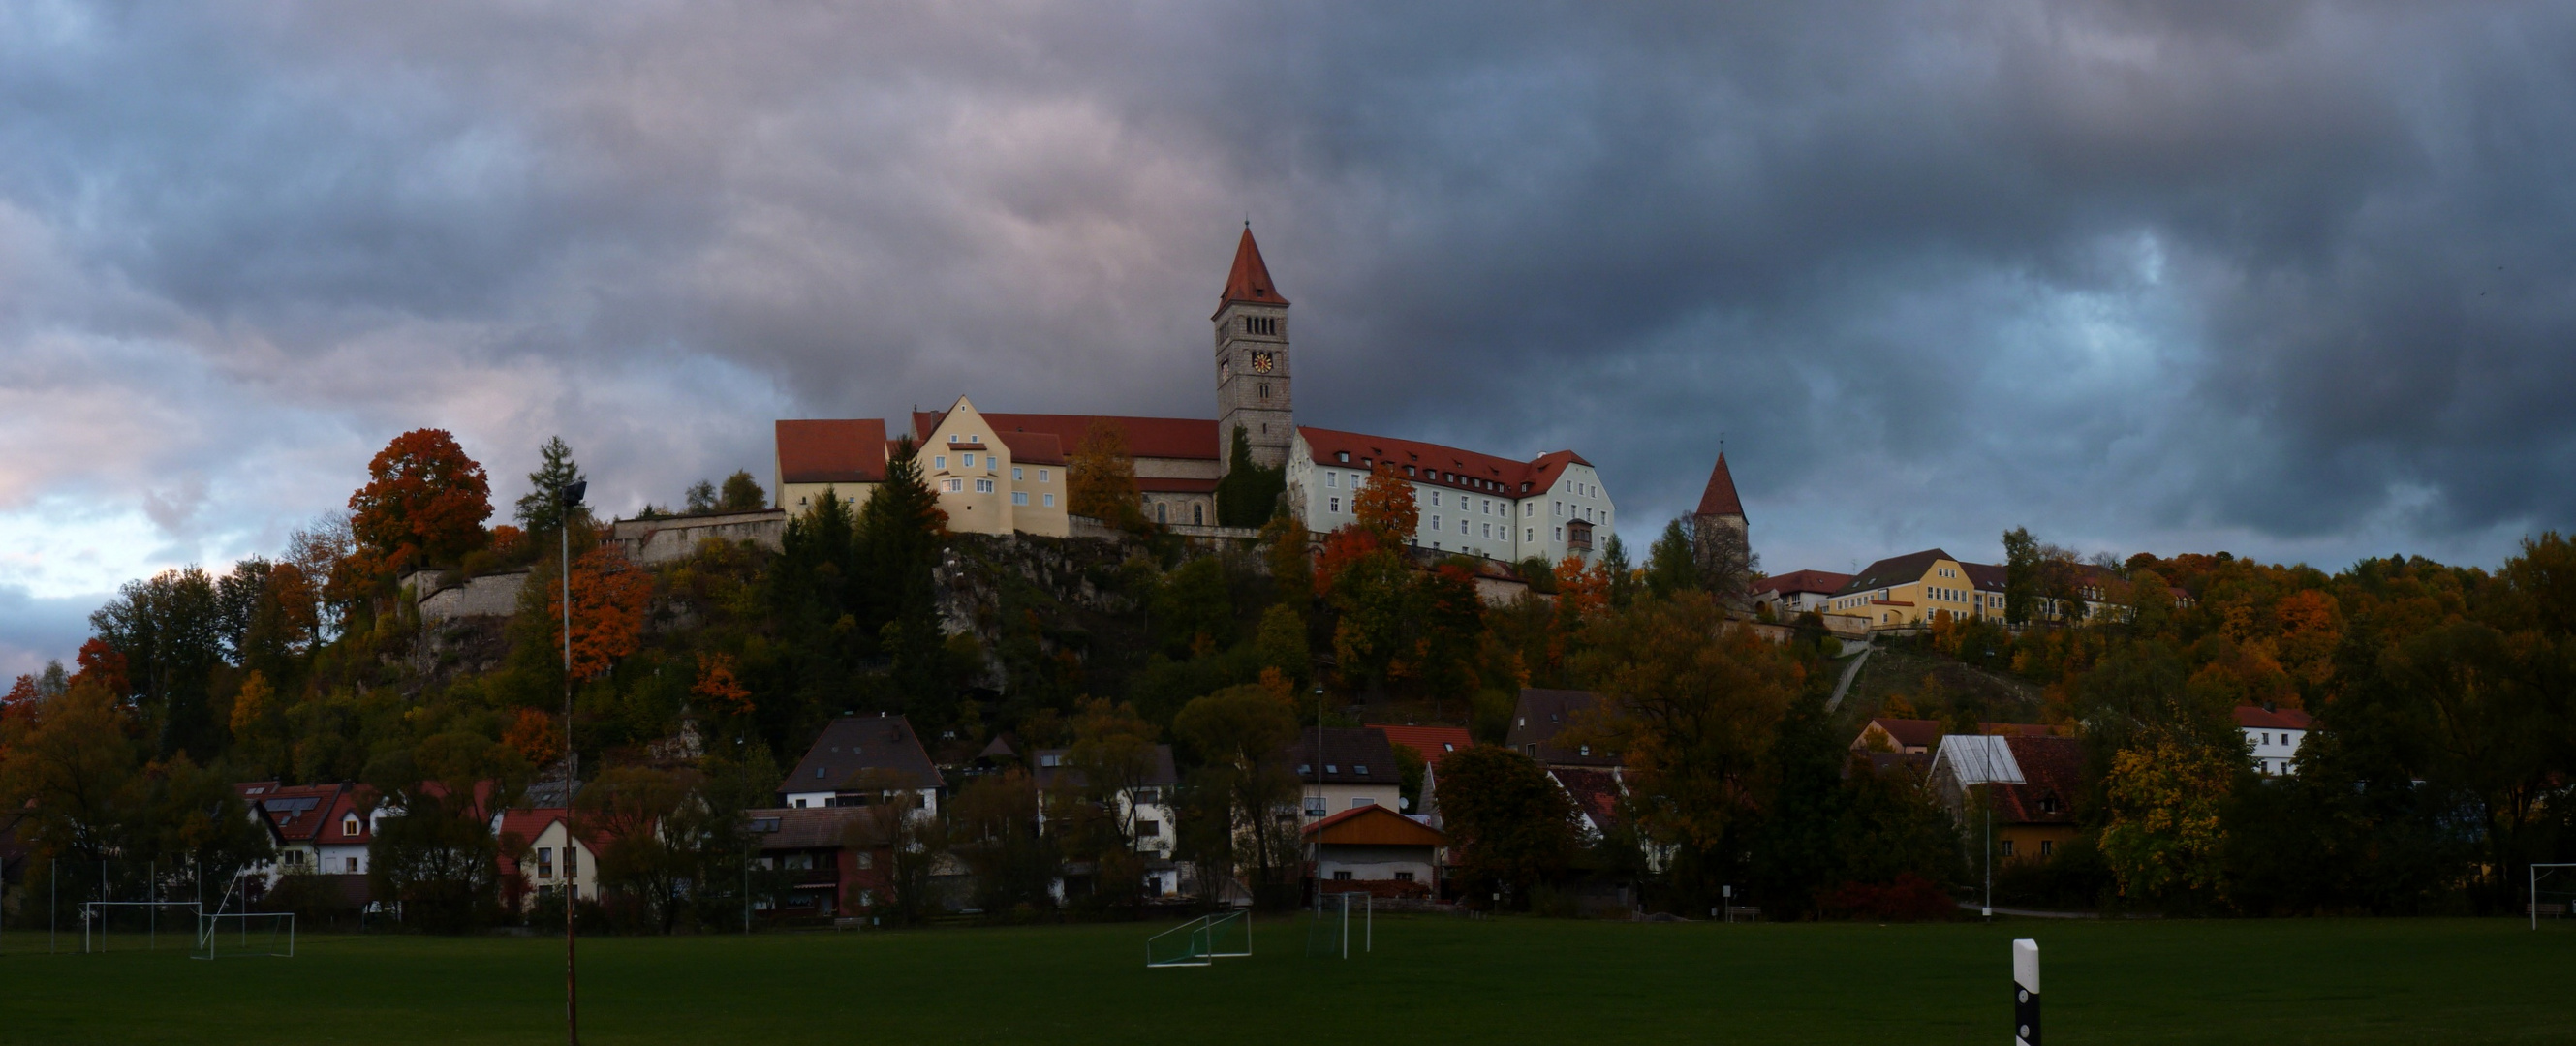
1262 362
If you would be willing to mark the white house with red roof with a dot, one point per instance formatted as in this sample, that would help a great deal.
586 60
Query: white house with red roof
1434 744
2272 737
316 829
1799 591
538 857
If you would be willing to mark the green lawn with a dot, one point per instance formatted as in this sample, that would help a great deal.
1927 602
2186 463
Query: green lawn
1431 981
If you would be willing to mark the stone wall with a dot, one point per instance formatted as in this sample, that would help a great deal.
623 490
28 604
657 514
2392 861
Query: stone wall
652 541
442 596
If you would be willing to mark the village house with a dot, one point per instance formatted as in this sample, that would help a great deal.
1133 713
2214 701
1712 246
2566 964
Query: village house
863 760
1541 715
2272 737
316 829
1373 848
1431 744
538 858
1355 767
819 861
1798 591
2029 782
1145 810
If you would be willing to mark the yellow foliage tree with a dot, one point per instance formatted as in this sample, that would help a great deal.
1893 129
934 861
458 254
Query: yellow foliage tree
2163 835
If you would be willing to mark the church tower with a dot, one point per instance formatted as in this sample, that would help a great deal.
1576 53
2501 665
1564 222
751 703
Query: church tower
1252 362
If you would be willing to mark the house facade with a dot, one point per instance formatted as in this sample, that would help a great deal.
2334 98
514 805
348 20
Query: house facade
865 760
1799 591
1352 767
1374 848
1910 590
539 858
2272 738
817 861
316 829
1433 745
1146 811
847 457
2029 782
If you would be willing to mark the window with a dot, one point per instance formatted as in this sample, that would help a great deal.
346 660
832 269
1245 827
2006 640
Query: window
954 485
2047 847
1332 768
1529 534
1019 497
1332 479
1357 802
983 486
1342 456
867 860
1528 509
952 437
940 461
1198 515
1149 795
968 460
1044 475
1489 530
1050 501
2008 847
1360 769
1404 877
1018 474
1462 524
545 862
1160 514
349 825
1341 875
1587 750
1057 759
1560 533
572 862
818 772
349 864
1435 497
1314 806
1148 828
1435 522
1334 503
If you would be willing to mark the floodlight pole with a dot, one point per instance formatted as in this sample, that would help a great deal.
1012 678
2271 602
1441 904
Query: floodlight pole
1989 913
568 497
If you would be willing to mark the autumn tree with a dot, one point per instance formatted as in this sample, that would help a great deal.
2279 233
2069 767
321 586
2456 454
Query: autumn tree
424 503
1241 733
1513 826
1690 704
1385 507
717 690
741 493
2163 836
1102 477
609 596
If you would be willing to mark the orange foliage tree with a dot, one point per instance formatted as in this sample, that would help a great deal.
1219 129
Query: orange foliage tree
424 502
534 734
716 683
1385 506
609 596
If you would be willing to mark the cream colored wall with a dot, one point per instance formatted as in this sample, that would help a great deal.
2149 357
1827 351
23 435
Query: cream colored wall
797 498
1038 482
944 465
585 879
1943 586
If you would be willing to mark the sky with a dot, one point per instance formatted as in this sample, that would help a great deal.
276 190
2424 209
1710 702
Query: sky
2288 280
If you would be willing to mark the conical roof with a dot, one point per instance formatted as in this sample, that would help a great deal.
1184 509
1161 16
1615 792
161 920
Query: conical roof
1250 280
1720 499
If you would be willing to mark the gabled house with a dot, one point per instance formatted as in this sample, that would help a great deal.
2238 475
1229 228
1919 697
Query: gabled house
1351 768
863 760
819 858
1146 809
538 858
2030 783
316 829
1902 736
2273 737
1373 848
1433 744
1798 591
1542 715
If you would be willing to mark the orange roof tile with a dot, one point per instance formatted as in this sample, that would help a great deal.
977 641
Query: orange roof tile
842 451
1432 743
1433 463
1719 499
1191 438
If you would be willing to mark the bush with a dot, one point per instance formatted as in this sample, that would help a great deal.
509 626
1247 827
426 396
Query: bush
1908 898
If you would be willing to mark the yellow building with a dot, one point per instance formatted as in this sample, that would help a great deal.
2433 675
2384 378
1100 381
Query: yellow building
992 481
848 457
1907 591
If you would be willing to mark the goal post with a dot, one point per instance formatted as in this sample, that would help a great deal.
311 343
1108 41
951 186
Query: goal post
1183 945
1230 935
1329 933
245 934
2552 891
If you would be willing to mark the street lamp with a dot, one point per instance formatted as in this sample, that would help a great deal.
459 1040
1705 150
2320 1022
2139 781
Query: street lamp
568 498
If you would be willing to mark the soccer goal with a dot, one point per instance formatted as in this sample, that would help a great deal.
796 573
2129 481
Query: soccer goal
137 922
245 934
1201 941
2553 892
1329 931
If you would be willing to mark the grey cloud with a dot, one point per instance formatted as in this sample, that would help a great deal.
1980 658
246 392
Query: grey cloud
2284 277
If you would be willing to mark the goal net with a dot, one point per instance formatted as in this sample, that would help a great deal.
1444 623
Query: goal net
244 934
134 924
1201 941
2553 892
1340 923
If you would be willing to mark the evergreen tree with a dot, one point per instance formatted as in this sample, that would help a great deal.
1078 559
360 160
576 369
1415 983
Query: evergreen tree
1249 493
898 539
1622 574
2021 574
1671 562
541 511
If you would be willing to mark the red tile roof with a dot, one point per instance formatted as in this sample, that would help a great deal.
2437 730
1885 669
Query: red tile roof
1439 465
1187 438
2052 771
1910 733
2256 718
849 451
311 813
527 825
1033 448
1823 581
1595 793
1250 280
1719 499
1373 825
1432 743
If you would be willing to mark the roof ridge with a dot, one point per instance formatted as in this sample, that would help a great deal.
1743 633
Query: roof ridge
1250 278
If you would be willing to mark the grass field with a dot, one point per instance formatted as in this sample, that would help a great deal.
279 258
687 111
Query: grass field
1431 981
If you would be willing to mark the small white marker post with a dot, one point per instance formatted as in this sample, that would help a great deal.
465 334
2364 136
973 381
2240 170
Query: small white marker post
2025 992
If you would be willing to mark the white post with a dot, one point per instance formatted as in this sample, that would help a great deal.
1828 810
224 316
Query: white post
2025 992
2533 871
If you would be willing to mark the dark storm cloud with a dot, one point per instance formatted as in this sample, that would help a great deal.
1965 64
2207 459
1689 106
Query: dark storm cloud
2285 278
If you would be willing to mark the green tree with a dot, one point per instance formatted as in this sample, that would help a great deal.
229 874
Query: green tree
1281 643
1241 733
701 498
900 532
1622 574
170 631
2021 575
1513 827
1671 563
541 510
742 494
1249 494
1193 608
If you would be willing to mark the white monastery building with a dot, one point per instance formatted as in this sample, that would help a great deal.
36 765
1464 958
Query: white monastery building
1000 473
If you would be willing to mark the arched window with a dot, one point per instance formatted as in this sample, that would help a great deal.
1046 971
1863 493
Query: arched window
1158 513
1198 515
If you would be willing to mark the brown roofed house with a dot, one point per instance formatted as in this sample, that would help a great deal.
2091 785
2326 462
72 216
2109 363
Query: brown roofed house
1543 714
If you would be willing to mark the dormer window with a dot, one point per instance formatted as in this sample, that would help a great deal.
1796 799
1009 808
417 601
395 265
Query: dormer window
1332 769
1360 770
1342 456
1050 759
349 825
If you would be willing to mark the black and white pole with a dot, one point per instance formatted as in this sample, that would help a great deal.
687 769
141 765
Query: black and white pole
2025 992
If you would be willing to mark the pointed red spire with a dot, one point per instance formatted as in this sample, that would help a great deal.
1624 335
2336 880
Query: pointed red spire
1720 499
1250 280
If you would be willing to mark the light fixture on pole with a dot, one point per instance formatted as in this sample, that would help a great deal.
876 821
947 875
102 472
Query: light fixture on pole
568 498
